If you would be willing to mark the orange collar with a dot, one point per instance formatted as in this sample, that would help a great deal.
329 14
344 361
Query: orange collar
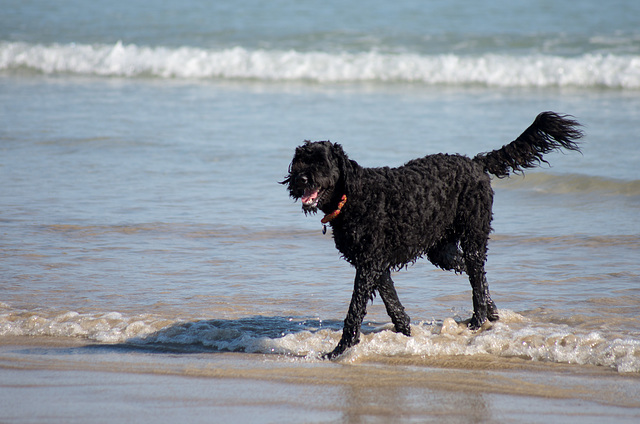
331 216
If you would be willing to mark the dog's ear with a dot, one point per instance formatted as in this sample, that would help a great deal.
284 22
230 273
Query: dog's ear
345 165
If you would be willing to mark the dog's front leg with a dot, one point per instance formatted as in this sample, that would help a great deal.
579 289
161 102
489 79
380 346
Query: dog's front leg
400 319
362 293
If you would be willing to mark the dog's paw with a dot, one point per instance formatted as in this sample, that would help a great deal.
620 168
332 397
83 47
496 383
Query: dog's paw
476 323
492 315
339 350
330 356
492 311
403 328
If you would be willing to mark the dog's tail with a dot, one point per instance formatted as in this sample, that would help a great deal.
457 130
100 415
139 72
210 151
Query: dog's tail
549 131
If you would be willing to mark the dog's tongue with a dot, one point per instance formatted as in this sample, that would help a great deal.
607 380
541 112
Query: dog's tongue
309 196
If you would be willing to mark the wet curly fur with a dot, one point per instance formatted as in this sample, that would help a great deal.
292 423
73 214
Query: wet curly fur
438 206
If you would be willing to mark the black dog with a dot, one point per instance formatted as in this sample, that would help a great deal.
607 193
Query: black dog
440 206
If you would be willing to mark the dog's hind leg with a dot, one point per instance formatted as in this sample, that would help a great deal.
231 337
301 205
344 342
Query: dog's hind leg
483 307
394 308
474 251
364 286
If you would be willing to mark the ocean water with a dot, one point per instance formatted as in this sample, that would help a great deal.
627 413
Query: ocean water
141 144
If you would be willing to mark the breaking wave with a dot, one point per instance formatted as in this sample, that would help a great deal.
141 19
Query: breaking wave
513 336
129 60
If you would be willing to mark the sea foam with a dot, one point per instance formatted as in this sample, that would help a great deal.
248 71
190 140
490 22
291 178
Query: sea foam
129 60
513 336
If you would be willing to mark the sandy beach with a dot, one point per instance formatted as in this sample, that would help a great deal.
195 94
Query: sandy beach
57 381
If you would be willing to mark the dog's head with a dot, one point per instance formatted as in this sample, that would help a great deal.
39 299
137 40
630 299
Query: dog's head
316 175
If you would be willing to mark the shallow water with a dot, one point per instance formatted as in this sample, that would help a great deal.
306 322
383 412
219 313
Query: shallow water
183 228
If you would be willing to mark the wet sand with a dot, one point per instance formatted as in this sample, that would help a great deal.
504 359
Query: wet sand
56 380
